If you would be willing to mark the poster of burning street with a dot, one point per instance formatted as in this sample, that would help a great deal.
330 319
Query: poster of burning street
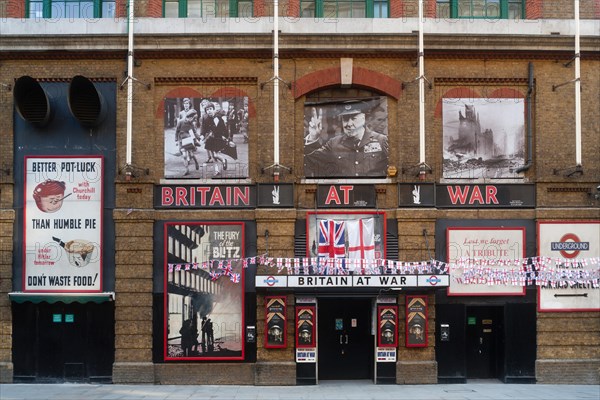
483 138
204 291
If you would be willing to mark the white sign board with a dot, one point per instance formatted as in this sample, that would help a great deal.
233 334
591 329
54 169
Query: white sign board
571 241
62 224
490 244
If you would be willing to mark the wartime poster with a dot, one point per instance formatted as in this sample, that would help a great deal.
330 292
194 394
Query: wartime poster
63 224
416 321
570 282
305 326
387 327
483 138
206 137
485 249
346 138
204 291
275 322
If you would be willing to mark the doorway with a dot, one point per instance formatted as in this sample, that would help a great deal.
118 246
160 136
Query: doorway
58 342
484 338
345 340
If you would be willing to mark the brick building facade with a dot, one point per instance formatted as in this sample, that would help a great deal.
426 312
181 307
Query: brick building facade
323 63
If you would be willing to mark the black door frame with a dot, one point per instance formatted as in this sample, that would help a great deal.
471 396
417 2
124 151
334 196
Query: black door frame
349 335
484 339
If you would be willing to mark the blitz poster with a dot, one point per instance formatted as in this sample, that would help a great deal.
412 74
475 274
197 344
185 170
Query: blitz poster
483 138
305 326
346 138
204 291
416 321
387 327
275 322
206 137
573 242
63 224
493 248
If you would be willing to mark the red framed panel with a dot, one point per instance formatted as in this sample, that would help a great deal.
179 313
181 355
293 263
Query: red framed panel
275 322
484 243
417 325
203 290
306 323
387 326
312 230
63 211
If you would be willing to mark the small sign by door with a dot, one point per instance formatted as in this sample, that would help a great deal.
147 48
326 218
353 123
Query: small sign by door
56 318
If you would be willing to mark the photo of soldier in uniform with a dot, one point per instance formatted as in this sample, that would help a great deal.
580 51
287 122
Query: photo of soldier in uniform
340 139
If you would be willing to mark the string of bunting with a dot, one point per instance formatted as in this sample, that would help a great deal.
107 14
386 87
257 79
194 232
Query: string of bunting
543 271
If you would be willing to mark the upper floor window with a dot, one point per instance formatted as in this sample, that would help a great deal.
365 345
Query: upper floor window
207 8
505 9
344 8
71 8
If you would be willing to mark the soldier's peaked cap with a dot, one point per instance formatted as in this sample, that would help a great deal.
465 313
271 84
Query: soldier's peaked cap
352 108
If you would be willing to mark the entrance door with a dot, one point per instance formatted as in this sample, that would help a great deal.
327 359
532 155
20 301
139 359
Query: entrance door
345 344
63 342
483 341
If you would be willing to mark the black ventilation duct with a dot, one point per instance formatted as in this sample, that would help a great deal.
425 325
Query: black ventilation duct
32 102
85 102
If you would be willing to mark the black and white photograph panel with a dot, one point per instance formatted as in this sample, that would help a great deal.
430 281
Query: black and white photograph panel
483 138
346 138
206 138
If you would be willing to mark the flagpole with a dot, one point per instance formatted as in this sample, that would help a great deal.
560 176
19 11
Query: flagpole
577 88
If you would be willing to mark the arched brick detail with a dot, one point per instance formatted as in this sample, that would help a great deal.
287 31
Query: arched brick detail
154 9
176 93
455 93
330 77
15 9
380 82
533 9
316 80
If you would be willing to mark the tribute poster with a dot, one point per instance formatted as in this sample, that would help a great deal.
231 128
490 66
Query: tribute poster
491 248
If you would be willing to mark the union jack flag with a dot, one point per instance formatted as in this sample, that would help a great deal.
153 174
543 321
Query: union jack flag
332 239
235 278
214 275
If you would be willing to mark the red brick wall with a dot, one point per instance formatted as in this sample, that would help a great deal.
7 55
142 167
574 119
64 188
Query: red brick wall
15 9
396 8
154 9
533 9
293 8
